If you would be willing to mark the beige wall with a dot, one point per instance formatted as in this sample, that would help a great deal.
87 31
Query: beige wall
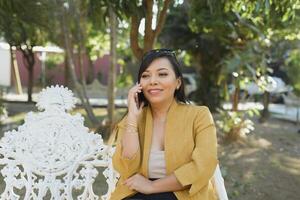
5 67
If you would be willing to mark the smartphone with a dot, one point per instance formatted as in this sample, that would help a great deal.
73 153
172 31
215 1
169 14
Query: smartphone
141 98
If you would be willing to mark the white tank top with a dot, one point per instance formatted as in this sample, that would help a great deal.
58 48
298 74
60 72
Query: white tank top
157 164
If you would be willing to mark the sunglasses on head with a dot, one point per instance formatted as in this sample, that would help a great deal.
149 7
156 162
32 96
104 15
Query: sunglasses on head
162 51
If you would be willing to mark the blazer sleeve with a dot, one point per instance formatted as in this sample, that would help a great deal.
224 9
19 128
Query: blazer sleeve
200 169
124 166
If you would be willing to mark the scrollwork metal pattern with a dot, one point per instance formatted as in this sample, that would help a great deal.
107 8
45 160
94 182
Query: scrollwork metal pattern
54 152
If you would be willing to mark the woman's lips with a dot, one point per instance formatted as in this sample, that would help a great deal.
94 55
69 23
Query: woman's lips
154 91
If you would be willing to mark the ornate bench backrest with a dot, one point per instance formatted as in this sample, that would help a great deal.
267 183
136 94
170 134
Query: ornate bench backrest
53 153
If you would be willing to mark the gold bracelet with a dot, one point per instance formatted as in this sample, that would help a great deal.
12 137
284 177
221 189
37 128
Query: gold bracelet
131 131
132 125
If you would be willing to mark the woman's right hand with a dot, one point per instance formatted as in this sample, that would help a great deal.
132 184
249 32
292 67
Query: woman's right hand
134 109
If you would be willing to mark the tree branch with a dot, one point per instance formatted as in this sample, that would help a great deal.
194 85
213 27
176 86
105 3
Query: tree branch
149 33
134 37
162 17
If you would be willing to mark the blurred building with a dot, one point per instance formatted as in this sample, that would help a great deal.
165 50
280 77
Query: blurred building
44 74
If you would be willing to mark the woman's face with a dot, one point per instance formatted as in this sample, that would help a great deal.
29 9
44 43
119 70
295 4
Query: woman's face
159 81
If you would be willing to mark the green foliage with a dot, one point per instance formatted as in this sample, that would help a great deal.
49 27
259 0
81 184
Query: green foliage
3 113
1 108
23 24
266 17
246 64
52 60
133 7
204 49
97 43
236 124
224 37
212 20
293 69
124 79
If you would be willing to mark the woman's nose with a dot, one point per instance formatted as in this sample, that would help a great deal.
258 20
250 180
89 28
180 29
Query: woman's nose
153 80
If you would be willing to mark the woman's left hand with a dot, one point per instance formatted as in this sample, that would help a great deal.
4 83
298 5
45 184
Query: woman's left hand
139 183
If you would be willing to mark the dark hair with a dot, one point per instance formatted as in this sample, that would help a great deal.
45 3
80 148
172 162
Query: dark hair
149 57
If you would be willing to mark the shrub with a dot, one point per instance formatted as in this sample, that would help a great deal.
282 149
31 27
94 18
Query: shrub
236 124
3 113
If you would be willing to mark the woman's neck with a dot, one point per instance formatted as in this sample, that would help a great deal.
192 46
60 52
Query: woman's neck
160 111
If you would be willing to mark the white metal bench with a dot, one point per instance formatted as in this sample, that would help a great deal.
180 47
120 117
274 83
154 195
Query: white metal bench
53 154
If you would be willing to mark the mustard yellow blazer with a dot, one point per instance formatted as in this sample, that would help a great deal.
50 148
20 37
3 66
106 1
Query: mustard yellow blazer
190 151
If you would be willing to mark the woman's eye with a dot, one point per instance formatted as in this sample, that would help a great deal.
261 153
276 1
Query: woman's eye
145 75
163 74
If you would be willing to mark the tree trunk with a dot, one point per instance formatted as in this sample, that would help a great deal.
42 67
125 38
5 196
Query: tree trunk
30 84
81 53
150 34
91 72
134 38
265 111
236 97
28 55
15 70
207 92
67 71
81 12
73 76
112 70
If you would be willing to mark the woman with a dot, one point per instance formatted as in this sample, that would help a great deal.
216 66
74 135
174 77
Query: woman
166 148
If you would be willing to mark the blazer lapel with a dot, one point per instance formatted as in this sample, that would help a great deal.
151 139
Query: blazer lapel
172 124
147 141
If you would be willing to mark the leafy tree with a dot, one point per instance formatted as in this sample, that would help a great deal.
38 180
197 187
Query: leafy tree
248 64
138 11
80 17
67 13
211 30
109 16
205 49
23 31
293 68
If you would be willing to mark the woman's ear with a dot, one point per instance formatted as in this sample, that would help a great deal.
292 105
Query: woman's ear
178 83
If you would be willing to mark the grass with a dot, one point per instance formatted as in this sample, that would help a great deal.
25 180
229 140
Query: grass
16 119
100 113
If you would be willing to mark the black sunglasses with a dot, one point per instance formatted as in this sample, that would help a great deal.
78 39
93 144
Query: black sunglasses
162 51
